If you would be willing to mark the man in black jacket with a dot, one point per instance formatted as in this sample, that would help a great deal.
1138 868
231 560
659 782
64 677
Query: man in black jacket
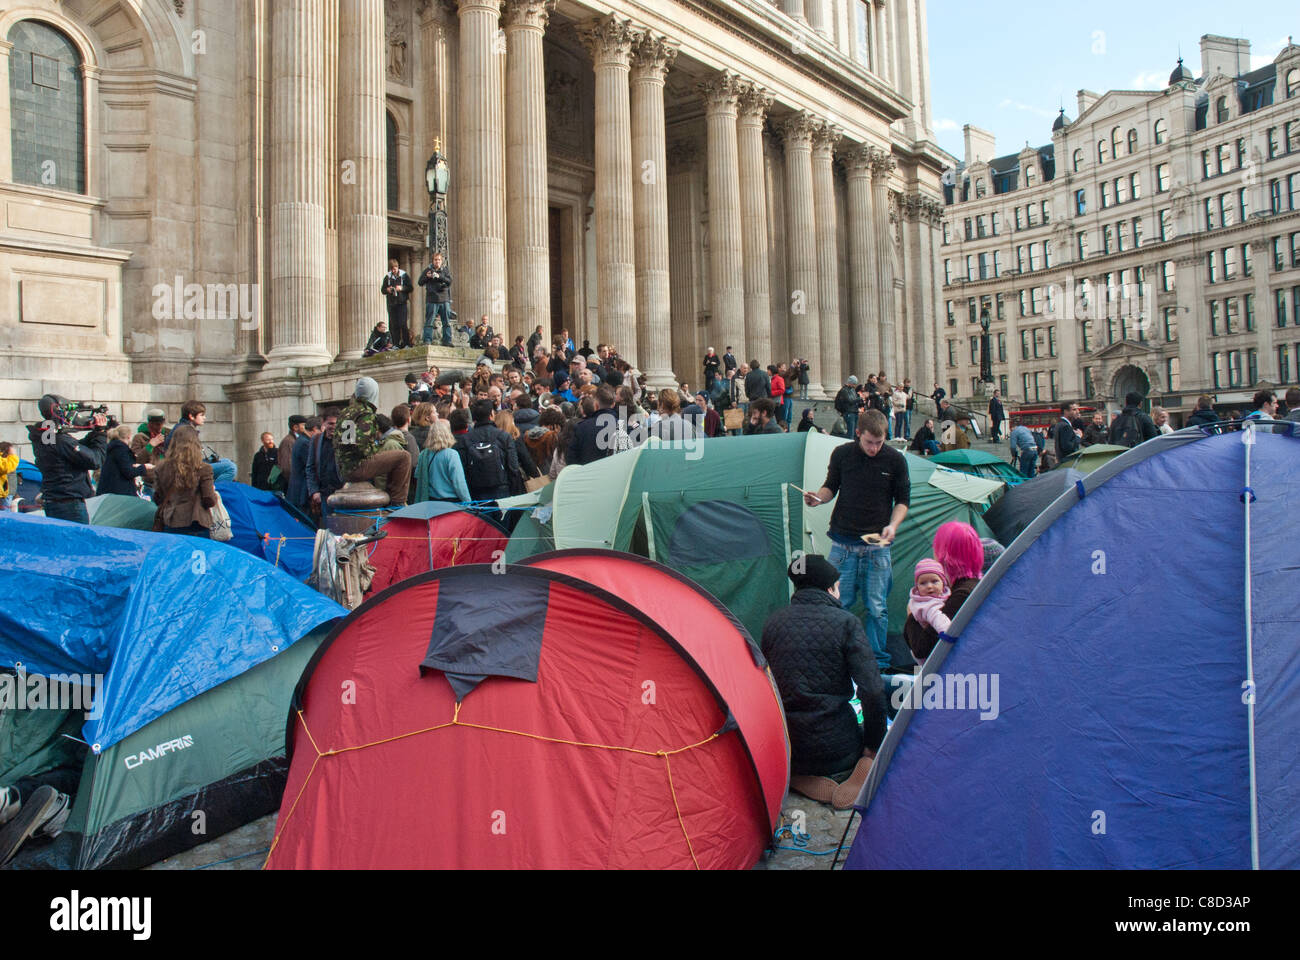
65 463
817 651
1065 435
1132 426
488 455
594 435
322 468
757 383
264 461
436 280
848 404
1204 413
396 288
997 415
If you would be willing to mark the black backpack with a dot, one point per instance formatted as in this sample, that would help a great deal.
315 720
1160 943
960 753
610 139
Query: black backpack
485 467
1127 431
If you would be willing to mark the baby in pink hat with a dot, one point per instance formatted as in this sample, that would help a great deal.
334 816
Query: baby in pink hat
930 590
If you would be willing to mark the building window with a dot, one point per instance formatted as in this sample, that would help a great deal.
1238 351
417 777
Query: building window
1252 367
1171 325
1209 213
1020 223
394 165
1135 186
993 222
1243 204
1162 130
947 272
980 189
1033 256
1132 146
952 319
1225 210
1121 190
1231 315
1291 191
1295 249
952 388
1275 195
1223 158
997 263
1292 83
952 353
1168 276
1021 295
1205 165
1212 268
1082 238
970 267
1137 231
862 33
1246 269
1214 318
1230 264
1024 380
1249 300
1024 345
1101 151
1047 254
1278 262
1166 225
1162 178
1020 259
1029 215
1002 348
1234 368
972 316
1173 376
1281 308
1284 363
1241 152
1085 332
1002 383
1105 195
947 233
1121 234
1221 110
1055 392
1080 202
1089 388
1002 308
974 350
1107 238
47 115
1047 209
1078 160
1272 142
984 266
1051 341
1291 142
970 233
1115 142
1036 300
1030 176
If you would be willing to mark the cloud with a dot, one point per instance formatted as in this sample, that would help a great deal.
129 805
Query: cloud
1270 53
944 125
1152 80
1027 108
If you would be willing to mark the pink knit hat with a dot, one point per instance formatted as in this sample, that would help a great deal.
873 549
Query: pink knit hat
930 566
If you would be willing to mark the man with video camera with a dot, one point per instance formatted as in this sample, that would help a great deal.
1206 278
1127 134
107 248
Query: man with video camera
64 461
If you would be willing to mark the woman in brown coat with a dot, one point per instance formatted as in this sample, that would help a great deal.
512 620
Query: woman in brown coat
183 487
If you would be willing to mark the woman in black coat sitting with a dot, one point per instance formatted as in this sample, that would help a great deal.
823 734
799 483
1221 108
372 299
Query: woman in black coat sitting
120 470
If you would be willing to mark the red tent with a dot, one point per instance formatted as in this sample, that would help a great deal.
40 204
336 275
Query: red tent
531 720
429 536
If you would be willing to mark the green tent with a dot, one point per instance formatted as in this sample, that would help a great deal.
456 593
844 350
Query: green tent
212 764
980 463
117 510
532 534
1092 458
939 495
725 512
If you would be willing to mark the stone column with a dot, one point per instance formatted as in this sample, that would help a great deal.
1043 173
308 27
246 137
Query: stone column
801 234
481 279
363 143
609 41
794 8
819 16
882 165
862 265
886 70
726 255
298 186
6 120
754 103
682 218
330 70
651 59
825 138
527 191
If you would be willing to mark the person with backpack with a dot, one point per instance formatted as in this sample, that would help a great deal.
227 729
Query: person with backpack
487 454
848 404
1132 426
1065 435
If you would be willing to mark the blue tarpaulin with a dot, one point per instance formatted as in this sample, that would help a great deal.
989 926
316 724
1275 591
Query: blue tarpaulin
256 513
1117 630
163 618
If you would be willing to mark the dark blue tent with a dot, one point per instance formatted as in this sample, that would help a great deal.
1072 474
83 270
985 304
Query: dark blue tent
162 618
259 519
1114 650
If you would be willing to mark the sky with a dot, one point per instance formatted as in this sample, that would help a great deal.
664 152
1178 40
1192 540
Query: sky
1010 72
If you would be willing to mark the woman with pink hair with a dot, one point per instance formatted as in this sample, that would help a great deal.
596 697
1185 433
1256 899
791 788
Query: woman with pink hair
958 548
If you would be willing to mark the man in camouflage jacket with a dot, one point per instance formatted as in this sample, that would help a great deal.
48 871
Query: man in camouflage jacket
356 445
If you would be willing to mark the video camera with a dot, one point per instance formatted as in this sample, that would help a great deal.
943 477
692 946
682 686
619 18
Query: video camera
76 416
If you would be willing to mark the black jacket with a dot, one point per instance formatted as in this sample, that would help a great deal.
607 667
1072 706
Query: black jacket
847 401
922 640
1146 427
379 341
817 650
923 436
263 461
322 469
488 433
996 413
119 471
65 463
586 446
1201 418
438 283
757 385
1067 441
401 288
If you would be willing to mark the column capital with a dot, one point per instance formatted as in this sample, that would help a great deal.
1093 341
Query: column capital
491 6
826 136
882 163
608 39
653 55
721 92
932 210
755 101
797 129
529 13
857 159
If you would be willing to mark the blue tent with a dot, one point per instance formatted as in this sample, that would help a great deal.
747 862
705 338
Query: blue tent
162 618
1113 653
256 513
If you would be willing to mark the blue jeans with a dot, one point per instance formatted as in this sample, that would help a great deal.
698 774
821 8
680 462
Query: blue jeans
441 311
851 424
224 471
787 409
932 447
73 511
1029 464
907 425
900 425
867 572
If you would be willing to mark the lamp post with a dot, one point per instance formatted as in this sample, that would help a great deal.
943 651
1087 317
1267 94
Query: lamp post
437 176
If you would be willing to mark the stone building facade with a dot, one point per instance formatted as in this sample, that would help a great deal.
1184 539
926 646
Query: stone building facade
200 196
1154 245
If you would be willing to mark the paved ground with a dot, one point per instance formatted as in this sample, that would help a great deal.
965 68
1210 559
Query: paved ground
245 848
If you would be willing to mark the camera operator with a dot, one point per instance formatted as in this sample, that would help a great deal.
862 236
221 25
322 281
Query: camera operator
64 461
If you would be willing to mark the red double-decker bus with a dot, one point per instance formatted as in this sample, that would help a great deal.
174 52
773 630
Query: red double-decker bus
1045 417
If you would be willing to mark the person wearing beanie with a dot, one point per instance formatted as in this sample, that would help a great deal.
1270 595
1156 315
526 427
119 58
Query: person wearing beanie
930 590
817 651
356 446
959 553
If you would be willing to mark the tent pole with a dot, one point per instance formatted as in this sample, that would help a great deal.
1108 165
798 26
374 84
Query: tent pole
1248 438
844 836
785 533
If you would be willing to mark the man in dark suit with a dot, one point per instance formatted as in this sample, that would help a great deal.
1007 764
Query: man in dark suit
1067 438
758 385
396 288
997 416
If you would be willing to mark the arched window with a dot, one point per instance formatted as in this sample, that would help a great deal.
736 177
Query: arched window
394 181
1030 176
1292 83
46 108
1132 141
1078 160
1221 110
1162 131
979 187
1101 151
1115 141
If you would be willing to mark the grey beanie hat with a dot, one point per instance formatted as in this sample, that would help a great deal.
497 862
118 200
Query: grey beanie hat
367 390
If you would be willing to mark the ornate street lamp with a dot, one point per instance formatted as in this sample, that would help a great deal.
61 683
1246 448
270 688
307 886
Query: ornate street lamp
437 176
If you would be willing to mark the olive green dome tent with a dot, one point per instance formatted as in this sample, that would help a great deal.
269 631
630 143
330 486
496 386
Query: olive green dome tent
1092 458
980 463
